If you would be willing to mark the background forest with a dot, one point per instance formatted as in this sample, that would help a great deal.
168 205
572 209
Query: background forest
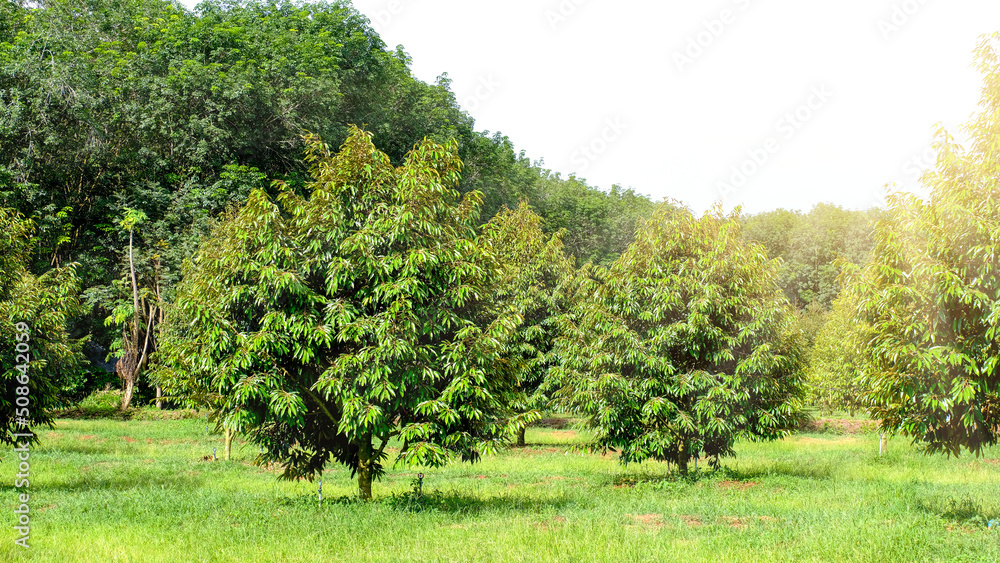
129 127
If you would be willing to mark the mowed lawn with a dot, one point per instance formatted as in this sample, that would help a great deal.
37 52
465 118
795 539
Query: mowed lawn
104 490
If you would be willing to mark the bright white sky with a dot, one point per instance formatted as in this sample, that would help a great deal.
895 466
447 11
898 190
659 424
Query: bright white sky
600 88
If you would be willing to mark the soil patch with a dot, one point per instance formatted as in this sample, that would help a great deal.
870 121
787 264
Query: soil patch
649 521
740 523
691 521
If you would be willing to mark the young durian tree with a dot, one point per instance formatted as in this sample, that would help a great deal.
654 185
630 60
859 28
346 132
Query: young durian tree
683 346
330 324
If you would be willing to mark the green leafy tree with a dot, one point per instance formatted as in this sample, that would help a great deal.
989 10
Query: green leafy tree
814 248
330 324
110 105
34 312
535 269
599 225
931 294
683 345
836 359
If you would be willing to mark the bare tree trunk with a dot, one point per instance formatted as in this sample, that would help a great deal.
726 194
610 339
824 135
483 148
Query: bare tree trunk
127 396
365 467
883 444
129 364
682 459
159 311
229 442
520 437
127 367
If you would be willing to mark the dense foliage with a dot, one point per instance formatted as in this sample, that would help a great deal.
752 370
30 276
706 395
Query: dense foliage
683 345
332 323
535 271
117 107
431 294
38 354
814 247
835 363
931 294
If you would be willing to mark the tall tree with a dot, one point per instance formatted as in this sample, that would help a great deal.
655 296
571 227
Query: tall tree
810 246
683 345
534 272
332 323
139 316
109 105
34 311
599 225
931 294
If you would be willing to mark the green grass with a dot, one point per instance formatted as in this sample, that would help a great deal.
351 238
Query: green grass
142 490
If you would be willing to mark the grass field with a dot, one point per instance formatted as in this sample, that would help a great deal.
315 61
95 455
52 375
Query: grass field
104 490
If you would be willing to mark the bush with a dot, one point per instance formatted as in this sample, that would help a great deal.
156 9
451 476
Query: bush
99 404
102 400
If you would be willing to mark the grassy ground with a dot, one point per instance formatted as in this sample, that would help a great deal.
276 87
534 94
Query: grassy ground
141 490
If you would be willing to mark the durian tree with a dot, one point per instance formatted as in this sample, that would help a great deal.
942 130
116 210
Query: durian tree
534 272
931 295
324 326
682 346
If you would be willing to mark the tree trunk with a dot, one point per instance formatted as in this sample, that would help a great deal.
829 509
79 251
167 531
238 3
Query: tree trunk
159 399
883 444
682 459
229 442
365 467
129 363
127 396
520 437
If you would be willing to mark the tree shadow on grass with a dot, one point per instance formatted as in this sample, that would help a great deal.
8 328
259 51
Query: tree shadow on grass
449 502
119 482
671 478
95 447
967 508
650 480
778 468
